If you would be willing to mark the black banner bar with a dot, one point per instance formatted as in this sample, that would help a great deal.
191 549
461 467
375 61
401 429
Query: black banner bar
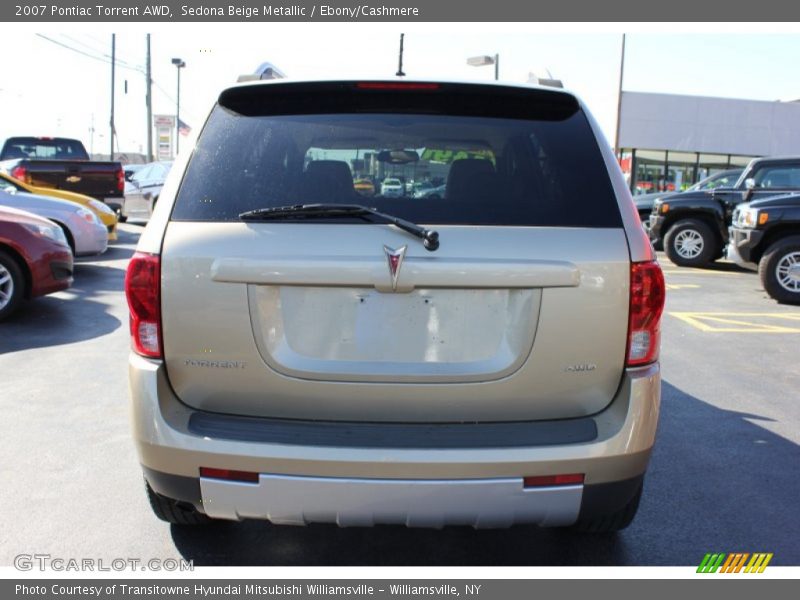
731 588
333 11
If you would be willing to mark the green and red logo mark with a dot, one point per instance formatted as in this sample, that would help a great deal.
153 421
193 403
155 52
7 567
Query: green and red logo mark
734 562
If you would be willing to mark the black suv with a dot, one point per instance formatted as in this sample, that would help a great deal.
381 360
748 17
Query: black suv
767 233
694 226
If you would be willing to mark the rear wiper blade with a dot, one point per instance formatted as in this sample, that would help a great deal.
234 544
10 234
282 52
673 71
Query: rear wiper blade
430 238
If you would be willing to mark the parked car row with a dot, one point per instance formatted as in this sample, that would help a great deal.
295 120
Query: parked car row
82 228
106 215
41 230
755 222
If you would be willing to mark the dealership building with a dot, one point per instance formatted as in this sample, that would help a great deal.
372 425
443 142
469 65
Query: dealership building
668 142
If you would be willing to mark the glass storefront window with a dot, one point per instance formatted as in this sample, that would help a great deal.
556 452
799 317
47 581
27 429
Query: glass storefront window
681 172
711 164
649 172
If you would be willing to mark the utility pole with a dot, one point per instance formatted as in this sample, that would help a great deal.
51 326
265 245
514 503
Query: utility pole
179 64
619 98
113 66
496 67
149 101
400 63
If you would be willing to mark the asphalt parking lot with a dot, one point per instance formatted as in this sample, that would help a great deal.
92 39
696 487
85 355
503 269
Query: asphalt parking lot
723 477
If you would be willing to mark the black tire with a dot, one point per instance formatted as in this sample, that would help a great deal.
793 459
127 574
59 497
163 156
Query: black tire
780 254
707 243
13 288
172 511
612 522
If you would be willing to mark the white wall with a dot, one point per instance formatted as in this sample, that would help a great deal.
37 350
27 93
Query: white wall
713 125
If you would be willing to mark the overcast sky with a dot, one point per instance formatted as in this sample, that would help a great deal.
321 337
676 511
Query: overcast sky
60 84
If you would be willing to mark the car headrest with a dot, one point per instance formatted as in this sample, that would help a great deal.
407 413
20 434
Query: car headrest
470 179
326 181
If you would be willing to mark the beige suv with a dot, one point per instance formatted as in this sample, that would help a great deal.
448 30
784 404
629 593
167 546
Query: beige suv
304 354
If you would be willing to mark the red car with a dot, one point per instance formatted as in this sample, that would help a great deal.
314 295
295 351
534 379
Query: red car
35 259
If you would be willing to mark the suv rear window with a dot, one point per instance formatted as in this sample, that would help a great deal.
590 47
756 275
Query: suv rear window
529 159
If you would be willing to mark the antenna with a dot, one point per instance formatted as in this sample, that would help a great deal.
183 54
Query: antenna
400 64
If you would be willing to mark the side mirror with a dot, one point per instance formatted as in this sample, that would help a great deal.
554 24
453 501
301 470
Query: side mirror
750 183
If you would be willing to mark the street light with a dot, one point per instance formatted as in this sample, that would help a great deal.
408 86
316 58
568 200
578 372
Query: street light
482 61
179 64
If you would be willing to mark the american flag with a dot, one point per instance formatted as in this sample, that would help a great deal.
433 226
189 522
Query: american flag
183 128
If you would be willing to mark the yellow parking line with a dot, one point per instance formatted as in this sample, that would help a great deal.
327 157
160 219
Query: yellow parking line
737 322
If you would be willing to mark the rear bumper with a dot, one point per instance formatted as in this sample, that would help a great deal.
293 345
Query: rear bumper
351 485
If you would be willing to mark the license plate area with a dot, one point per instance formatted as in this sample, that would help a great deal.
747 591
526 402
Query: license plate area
364 334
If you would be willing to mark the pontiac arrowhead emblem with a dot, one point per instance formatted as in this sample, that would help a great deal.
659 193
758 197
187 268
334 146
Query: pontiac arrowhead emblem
394 258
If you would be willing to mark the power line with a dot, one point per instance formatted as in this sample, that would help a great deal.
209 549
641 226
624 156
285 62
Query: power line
101 51
103 59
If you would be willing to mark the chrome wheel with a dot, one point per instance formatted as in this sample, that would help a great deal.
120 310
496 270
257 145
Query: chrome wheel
688 243
787 272
6 287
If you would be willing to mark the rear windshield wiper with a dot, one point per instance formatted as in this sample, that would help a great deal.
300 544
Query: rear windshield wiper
430 238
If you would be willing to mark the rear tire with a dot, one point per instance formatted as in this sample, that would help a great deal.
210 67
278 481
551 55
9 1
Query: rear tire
172 511
12 285
691 243
779 270
612 522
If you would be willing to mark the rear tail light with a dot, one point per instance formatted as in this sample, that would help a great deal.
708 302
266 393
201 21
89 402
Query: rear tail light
647 296
143 290
551 480
229 474
121 179
20 172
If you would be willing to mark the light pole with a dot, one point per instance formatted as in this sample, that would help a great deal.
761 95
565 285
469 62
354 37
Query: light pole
179 64
619 98
482 61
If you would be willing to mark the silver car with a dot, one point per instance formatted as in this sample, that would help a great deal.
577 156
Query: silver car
142 191
85 233
391 188
483 359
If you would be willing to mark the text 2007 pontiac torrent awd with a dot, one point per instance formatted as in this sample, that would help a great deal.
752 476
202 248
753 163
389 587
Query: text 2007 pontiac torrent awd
307 350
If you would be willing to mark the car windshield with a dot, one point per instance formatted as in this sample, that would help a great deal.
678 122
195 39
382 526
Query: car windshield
717 181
